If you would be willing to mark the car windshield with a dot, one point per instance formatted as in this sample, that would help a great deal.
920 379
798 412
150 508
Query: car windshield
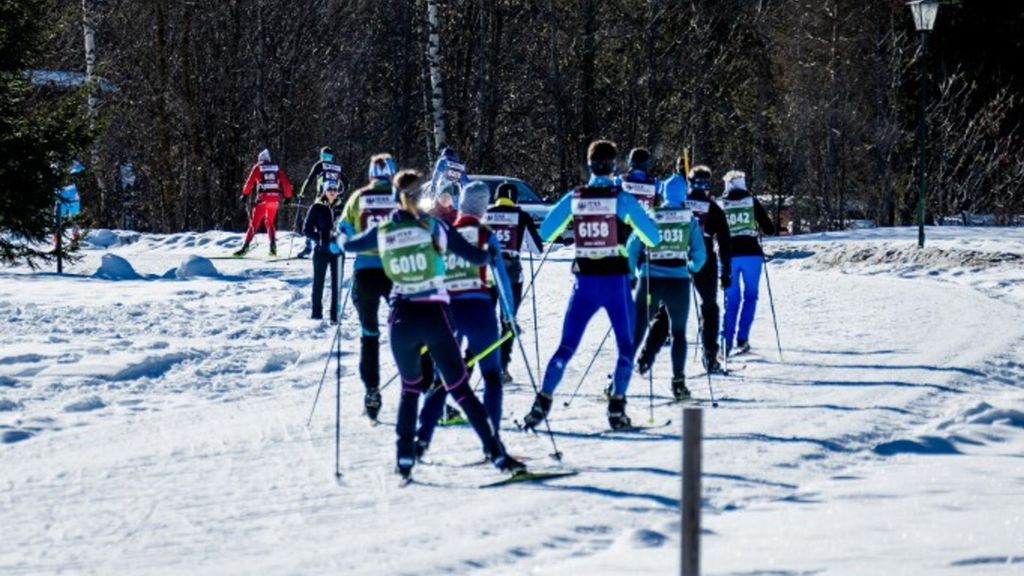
525 193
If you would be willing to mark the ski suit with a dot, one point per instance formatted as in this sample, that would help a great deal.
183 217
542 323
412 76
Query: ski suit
745 216
641 185
716 231
514 229
664 273
473 313
270 181
412 248
318 229
366 208
602 216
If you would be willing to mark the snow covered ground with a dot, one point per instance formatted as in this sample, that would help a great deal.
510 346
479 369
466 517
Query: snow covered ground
153 421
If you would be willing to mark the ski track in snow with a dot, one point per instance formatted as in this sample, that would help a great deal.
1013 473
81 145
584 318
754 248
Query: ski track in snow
157 426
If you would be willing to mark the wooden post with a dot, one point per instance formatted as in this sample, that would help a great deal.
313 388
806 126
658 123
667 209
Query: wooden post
691 501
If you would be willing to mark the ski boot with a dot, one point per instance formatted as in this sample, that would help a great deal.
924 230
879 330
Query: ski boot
404 468
241 251
304 253
421 448
506 378
711 364
742 347
506 463
679 389
372 403
502 461
273 248
617 418
539 412
643 364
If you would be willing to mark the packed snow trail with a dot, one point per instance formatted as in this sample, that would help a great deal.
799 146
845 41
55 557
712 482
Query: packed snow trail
157 426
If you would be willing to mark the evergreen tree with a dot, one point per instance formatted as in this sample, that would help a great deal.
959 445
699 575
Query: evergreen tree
32 139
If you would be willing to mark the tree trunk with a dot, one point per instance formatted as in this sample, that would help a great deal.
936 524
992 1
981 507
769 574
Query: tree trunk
436 81
92 104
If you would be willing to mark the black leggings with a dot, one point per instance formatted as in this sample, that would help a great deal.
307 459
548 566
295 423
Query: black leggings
322 260
417 324
706 283
370 286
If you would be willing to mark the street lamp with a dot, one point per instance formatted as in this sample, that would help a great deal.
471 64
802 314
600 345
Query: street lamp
924 12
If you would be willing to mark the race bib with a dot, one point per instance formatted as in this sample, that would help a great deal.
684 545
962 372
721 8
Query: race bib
459 273
740 216
643 191
595 227
505 226
453 171
409 258
674 232
700 209
375 209
268 178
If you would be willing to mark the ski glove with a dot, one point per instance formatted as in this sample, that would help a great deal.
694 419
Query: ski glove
726 282
334 248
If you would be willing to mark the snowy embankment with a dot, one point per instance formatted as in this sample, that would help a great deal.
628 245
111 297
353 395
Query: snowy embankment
153 408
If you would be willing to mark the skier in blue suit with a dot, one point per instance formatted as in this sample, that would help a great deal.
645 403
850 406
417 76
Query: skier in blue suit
747 218
603 216
665 274
448 168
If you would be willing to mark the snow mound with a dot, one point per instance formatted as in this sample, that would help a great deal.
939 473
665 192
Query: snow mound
114 267
196 266
153 366
279 360
8 382
86 405
104 238
9 405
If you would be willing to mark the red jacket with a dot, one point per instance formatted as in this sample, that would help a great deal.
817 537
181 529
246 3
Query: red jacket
272 181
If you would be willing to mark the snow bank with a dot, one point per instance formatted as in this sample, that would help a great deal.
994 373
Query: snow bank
114 267
104 238
196 266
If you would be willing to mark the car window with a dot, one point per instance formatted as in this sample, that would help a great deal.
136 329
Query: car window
526 194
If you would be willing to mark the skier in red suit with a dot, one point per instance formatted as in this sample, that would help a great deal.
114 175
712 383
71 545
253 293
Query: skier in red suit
270 182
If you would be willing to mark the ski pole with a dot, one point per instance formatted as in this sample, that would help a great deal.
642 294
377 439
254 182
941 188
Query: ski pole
295 227
771 302
507 310
337 380
478 357
323 375
586 372
536 337
700 340
650 371
543 259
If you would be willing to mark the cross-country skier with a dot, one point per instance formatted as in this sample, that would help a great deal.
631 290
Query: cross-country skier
472 309
745 216
412 248
515 230
365 208
326 169
270 181
638 181
319 229
667 267
449 169
602 215
716 233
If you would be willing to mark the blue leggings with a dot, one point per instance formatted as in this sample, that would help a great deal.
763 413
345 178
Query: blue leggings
590 294
474 320
747 269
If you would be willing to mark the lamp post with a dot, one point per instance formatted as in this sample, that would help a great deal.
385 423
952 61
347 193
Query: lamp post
924 12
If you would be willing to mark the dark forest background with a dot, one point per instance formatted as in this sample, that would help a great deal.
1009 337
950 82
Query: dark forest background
816 101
